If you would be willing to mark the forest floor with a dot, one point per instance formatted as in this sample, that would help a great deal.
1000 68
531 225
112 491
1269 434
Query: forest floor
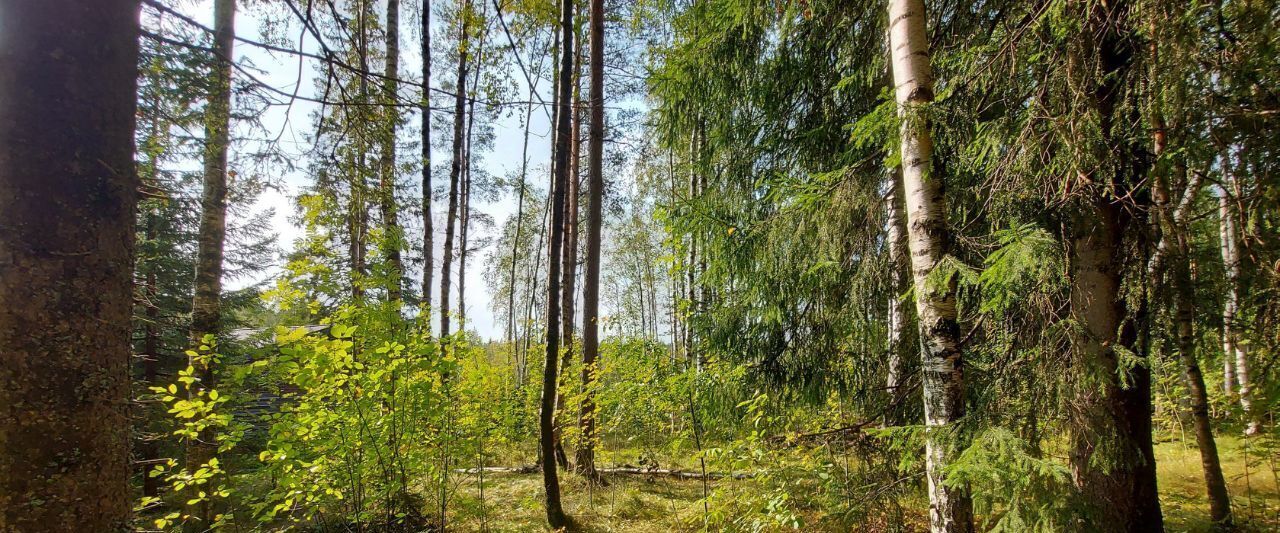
1255 491
638 503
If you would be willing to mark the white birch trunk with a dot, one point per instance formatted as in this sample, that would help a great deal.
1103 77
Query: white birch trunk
896 241
1225 232
950 509
1231 346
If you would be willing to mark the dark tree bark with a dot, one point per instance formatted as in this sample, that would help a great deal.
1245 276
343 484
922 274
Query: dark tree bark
546 420
393 237
1175 236
206 306
465 216
358 210
569 256
67 199
455 171
1120 484
1184 329
428 239
150 449
586 462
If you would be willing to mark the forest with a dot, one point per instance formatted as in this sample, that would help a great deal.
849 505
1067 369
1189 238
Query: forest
639 265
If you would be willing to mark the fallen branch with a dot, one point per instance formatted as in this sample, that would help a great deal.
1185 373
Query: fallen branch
622 470
679 474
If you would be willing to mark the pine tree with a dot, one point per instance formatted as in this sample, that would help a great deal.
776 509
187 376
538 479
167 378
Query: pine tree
69 190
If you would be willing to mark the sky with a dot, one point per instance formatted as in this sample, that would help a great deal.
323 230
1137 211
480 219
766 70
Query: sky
294 123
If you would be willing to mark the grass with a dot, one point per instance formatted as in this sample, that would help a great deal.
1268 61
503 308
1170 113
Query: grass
631 503
513 502
1255 498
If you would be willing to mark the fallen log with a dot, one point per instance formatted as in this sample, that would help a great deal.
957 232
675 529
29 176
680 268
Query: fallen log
622 470
679 474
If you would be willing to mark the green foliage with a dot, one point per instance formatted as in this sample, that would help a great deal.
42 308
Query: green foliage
1015 487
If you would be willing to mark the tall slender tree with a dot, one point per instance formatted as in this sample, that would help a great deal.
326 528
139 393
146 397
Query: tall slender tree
1175 239
560 156
899 315
428 225
358 206
67 196
585 462
1232 348
569 255
392 233
459 155
942 364
206 306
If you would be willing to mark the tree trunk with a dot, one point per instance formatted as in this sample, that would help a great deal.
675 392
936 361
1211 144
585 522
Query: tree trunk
1120 486
690 299
1219 502
1176 237
67 199
898 314
569 256
465 210
428 225
546 420
515 243
595 217
393 235
1118 478
455 171
358 210
206 307
1233 349
942 368
150 451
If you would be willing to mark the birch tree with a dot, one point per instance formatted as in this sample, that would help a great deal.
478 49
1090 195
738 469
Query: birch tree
950 509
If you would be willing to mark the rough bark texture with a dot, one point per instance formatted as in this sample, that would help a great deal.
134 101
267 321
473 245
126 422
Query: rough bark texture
1116 421
68 86
569 256
206 309
950 509
391 240
586 462
1215 484
1112 457
455 171
206 305
546 419
428 238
